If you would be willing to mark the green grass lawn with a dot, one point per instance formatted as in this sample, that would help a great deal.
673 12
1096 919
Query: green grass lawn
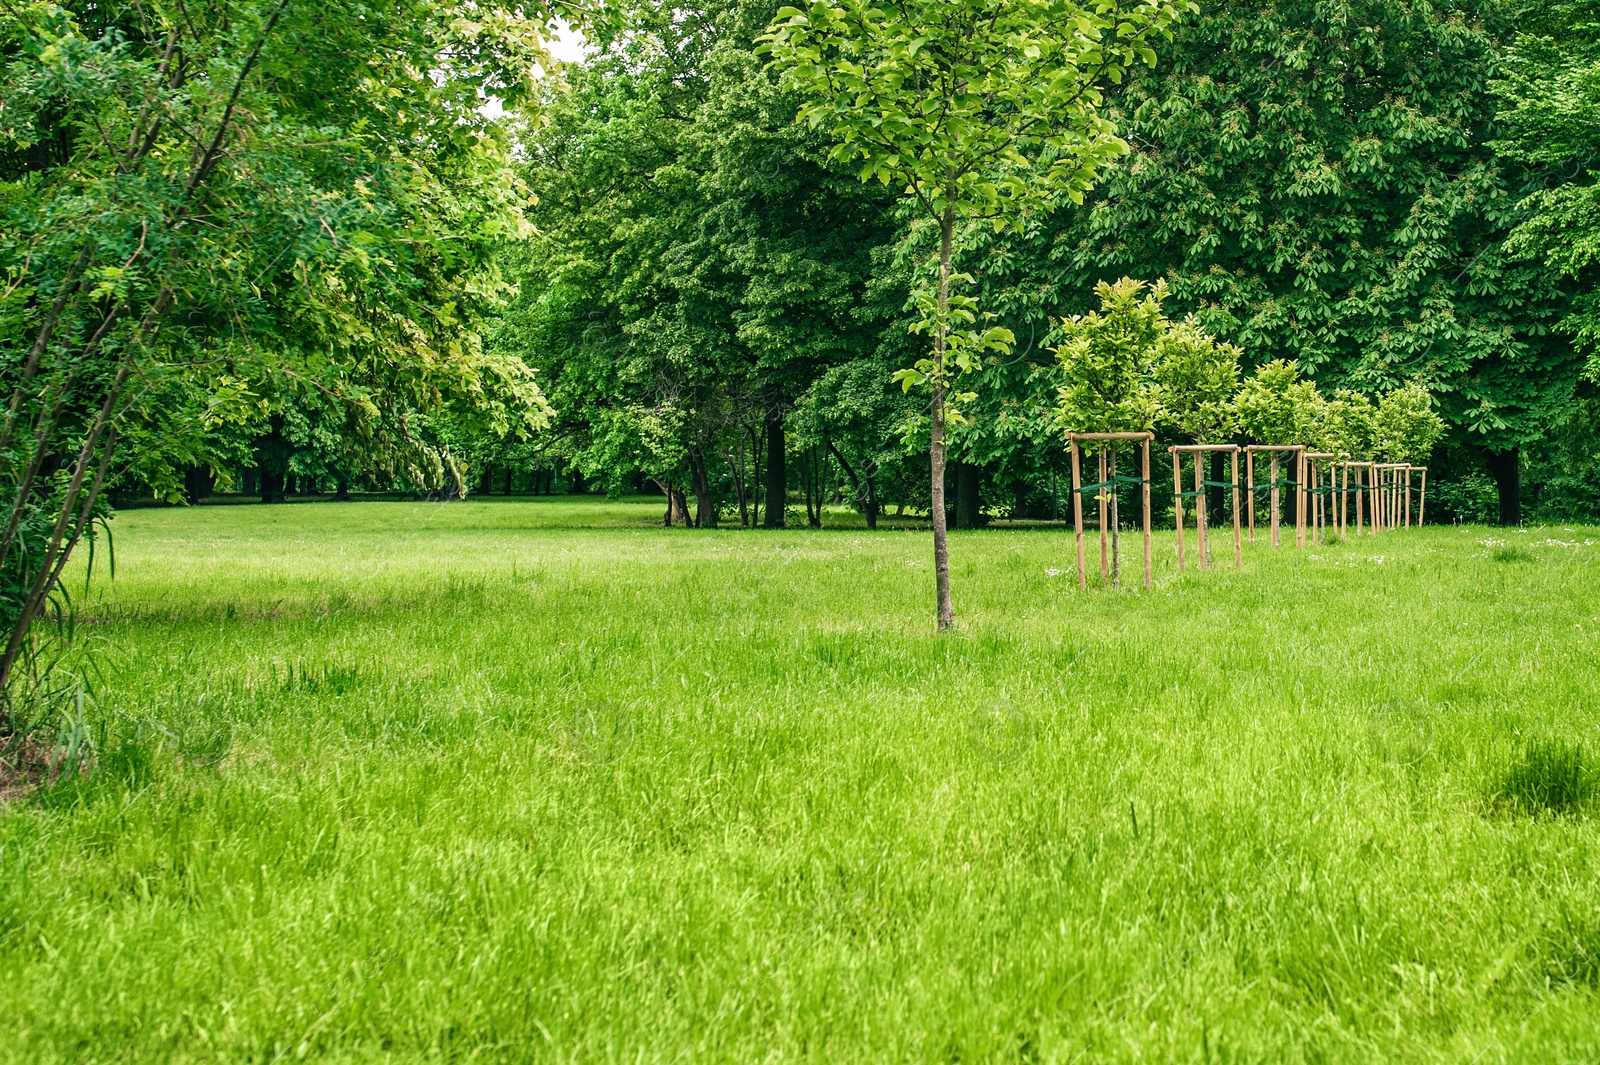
541 780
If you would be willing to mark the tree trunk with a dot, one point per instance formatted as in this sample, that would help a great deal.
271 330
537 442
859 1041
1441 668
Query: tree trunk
271 486
705 509
198 483
341 491
486 482
1215 496
866 498
969 503
941 545
1116 524
1506 469
508 480
777 470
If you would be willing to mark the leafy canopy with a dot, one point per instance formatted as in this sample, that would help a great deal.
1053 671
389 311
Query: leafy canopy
978 110
1106 357
1276 406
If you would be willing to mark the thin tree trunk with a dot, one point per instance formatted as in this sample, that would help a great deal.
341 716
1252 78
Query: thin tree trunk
705 508
936 443
777 470
1116 524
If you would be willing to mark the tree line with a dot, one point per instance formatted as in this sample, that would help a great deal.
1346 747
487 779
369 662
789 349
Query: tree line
1387 195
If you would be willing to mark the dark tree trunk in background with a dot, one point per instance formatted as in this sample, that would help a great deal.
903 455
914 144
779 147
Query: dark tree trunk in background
271 486
198 483
777 471
1019 499
1216 498
486 484
508 480
969 506
291 485
575 484
705 511
248 479
1506 469
865 493
341 491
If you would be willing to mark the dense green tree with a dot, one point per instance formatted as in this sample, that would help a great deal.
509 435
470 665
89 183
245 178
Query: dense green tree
1316 183
204 204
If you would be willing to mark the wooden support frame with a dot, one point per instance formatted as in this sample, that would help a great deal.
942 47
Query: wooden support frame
1202 537
1108 478
1275 485
1316 495
1391 501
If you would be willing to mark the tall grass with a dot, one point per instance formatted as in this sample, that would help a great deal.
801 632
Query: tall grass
542 780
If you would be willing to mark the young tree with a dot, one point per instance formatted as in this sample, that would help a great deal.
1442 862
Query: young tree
1345 425
1196 378
980 110
1106 357
1405 426
1276 407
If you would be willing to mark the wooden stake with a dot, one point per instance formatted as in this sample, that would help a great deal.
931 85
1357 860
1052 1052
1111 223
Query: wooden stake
1177 500
1358 500
1077 514
1238 553
1408 497
1344 491
1422 500
1300 499
1145 472
1100 497
1372 492
1201 518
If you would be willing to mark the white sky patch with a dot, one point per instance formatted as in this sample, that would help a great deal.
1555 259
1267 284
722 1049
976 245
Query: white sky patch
566 44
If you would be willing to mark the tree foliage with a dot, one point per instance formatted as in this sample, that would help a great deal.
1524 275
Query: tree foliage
208 210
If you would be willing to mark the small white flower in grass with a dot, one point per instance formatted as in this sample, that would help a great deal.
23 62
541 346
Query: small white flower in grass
1052 572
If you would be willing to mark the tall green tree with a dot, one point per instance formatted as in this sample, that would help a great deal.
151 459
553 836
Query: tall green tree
981 111
201 200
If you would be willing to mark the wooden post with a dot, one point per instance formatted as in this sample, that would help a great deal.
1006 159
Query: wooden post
1358 499
1372 493
1250 490
1344 492
1177 499
1238 553
1202 522
1300 499
1408 497
1077 513
1422 499
1145 470
1100 497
